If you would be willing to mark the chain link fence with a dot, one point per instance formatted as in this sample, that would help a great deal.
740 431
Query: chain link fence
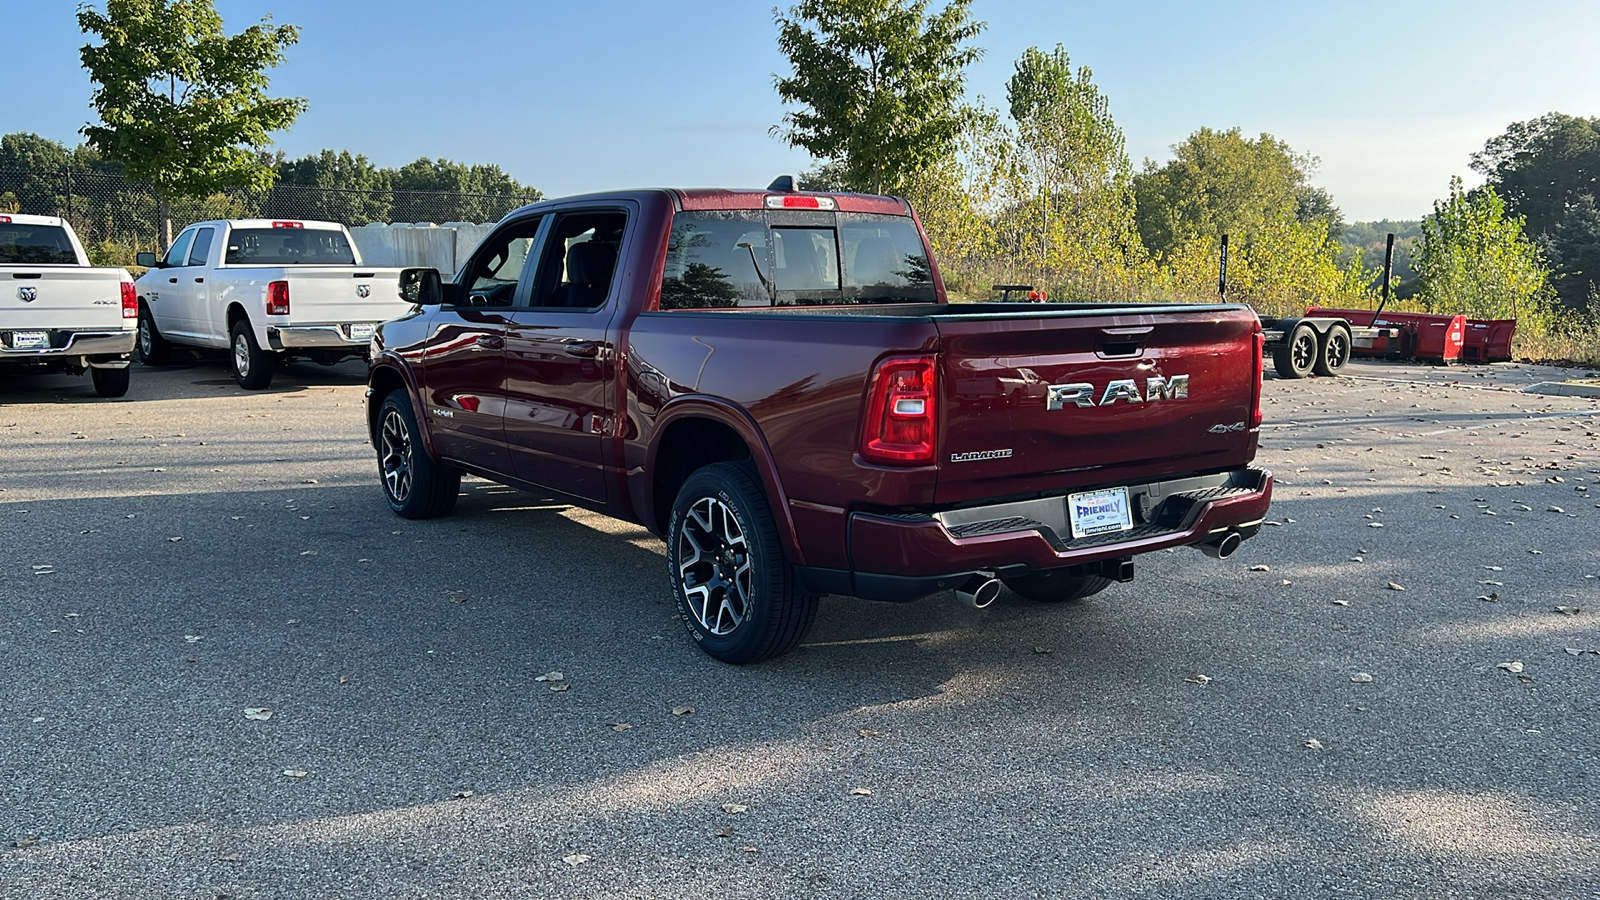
116 218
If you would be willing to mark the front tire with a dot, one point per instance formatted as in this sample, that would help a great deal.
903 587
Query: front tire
1335 351
416 485
111 382
252 366
1056 586
153 348
1296 356
736 592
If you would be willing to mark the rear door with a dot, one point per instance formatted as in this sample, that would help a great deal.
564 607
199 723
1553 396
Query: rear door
560 353
1043 401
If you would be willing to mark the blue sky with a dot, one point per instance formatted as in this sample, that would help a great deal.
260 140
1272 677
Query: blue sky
571 97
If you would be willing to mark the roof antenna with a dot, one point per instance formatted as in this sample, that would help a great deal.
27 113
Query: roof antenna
783 183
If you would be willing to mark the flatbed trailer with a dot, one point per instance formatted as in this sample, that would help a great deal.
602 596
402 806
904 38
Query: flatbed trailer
1322 345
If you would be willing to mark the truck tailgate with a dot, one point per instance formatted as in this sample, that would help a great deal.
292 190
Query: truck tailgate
65 298
320 295
1039 402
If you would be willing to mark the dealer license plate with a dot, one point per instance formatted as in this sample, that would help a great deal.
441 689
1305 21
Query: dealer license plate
360 332
29 340
1099 512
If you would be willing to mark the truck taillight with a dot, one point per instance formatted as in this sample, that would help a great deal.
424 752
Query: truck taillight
1255 392
278 298
901 412
130 300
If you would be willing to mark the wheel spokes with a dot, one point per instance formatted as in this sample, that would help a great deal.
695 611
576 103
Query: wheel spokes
394 453
714 566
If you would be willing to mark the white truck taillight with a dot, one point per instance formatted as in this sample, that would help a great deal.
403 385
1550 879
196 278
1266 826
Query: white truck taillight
130 300
278 298
902 412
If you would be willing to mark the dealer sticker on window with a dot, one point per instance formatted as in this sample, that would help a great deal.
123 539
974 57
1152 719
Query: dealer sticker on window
1099 512
29 340
360 332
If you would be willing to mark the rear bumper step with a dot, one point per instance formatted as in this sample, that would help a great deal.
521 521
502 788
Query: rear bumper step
893 554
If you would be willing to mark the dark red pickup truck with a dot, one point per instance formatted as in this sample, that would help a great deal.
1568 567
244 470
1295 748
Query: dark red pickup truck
773 382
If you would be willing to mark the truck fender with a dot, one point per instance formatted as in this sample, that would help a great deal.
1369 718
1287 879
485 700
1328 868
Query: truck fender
387 369
733 416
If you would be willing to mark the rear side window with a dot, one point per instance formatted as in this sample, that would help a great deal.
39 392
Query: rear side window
44 245
726 259
288 247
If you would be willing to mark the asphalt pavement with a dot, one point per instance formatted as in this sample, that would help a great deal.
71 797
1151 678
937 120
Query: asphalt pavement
227 670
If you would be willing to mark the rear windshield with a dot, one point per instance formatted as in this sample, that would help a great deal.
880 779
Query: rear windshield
44 245
288 247
738 258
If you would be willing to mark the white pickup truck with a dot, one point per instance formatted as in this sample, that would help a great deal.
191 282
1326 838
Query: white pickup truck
57 313
267 291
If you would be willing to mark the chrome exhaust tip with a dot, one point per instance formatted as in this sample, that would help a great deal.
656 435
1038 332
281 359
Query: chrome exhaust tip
1222 547
979 590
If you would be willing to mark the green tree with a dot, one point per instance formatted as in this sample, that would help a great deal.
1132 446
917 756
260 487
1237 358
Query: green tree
1067 172
428 190
879 83
1547 170
1475 259
183 106
1220 182
337 187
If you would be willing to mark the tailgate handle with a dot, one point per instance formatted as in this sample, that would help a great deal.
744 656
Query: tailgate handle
27 274
1126 341
491 341
365 275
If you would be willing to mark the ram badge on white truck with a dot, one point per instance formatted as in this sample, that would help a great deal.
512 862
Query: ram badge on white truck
267 291
57 313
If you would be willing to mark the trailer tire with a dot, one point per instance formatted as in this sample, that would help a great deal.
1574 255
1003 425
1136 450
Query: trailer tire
1297 355
1335 351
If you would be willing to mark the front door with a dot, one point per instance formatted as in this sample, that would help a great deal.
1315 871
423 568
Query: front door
463 358
561 357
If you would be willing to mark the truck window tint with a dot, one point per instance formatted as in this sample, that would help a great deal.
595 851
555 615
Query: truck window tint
178 253
805 259
579 259
288 247
44 245
498 264
202 246
716 260
884 260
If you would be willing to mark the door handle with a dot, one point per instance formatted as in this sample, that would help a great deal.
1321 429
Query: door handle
491 341
172 281
199 281
583 349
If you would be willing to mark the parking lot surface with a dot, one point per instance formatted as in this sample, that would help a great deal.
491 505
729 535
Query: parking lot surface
226 670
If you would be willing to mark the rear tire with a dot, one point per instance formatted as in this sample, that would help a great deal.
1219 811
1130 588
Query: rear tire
1056 586
153 348
1295 357
111 382
1335 351
736 591
252 366
416 485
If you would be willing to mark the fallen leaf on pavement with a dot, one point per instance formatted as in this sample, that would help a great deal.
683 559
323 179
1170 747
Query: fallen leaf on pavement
621 726
1313 744
1513 667
734 808
1261 568
1361 678
725 831
295 773
576 859
860 792
1197 678
1569 610
682 710
1396 587
550 676
258 713
560 688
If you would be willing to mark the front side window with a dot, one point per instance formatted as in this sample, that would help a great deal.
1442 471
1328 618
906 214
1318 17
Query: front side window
288 247
498 264
178 253
716 260
43 245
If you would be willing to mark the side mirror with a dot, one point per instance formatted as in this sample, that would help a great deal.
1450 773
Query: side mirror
425 287
147 260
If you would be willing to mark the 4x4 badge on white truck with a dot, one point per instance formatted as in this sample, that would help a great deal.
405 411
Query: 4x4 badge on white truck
27 294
